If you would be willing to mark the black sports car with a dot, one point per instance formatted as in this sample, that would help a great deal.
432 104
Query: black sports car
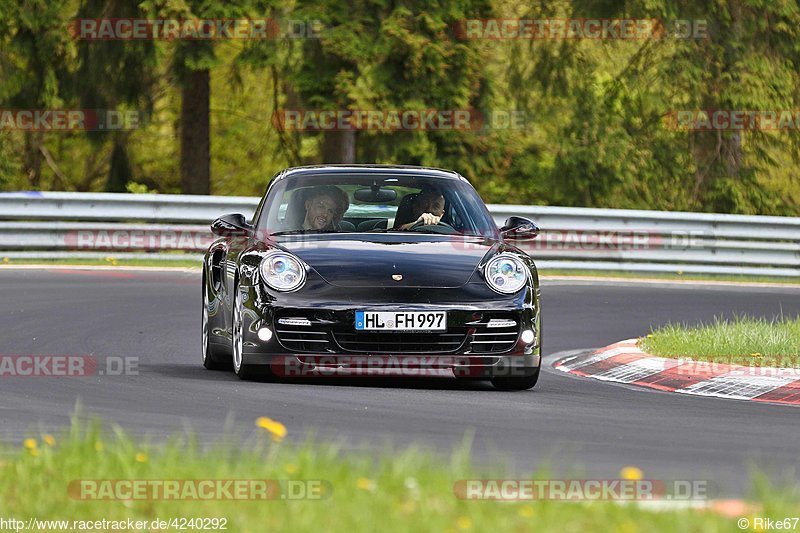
346 267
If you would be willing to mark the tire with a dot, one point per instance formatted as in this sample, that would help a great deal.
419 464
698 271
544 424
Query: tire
507 383
245 372
211 359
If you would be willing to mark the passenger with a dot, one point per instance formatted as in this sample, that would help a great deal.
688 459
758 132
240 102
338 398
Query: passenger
427 209
325 208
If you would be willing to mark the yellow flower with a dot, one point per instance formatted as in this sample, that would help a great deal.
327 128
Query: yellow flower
526 512
631 472
6 260
98 447
464 522
649 335
275 428
291 469
30 444
756 355
141 457
49 440
365 484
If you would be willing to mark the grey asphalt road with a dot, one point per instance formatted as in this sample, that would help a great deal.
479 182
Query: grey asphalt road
574 427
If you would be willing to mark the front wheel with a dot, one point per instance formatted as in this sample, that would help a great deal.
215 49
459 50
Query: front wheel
510 383
245 372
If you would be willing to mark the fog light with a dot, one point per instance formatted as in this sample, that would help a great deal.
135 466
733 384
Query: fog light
528 336
265 334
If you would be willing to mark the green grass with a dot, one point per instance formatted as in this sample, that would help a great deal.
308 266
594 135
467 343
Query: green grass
743 340
404 490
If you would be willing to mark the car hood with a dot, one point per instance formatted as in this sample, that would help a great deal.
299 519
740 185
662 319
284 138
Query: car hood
361 263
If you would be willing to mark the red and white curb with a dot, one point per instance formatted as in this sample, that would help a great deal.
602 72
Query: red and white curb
624 362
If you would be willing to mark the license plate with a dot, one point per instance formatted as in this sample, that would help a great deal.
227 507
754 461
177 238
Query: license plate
401 320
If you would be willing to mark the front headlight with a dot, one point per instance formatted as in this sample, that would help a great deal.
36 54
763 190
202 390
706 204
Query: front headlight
282 271
506 274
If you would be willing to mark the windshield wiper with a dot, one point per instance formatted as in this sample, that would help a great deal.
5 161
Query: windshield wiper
303 231
433 232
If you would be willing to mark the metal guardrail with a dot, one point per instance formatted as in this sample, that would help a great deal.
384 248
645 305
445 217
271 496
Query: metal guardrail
60 224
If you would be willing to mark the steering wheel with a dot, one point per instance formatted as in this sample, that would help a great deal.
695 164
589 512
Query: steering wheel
440 227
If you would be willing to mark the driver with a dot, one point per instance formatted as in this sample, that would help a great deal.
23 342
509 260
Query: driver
325 207
427 209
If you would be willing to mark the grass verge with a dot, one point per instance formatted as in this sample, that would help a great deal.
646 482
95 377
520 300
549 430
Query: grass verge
743 341
402 490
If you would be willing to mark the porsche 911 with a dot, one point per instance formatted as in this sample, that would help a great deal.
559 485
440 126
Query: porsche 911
347 266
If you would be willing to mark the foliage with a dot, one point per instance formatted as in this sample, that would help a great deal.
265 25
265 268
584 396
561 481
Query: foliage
594 132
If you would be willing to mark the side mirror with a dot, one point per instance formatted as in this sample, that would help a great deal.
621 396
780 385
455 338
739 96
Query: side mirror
231 226
520 229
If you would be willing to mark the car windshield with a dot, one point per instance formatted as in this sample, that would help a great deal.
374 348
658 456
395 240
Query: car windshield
379 202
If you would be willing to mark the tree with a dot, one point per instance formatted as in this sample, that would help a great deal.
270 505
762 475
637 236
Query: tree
33 68
750 61
112 74
192 65
613 147
387 56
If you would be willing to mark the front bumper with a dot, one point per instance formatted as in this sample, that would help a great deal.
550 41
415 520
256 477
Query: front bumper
329 342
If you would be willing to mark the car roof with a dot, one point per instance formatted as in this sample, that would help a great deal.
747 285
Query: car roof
416 171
